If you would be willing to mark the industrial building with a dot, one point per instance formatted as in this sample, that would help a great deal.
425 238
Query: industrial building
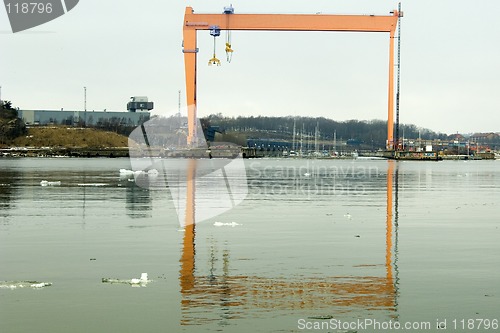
138 112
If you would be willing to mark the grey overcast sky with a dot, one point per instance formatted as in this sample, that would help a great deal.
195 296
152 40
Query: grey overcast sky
120 48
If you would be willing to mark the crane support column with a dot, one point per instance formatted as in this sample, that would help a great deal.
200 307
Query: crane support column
190 51
390 112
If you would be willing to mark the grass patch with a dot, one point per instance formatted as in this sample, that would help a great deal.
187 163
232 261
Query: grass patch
70 137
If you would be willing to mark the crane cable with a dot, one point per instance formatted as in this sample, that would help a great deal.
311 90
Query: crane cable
215 32
229 51
214 60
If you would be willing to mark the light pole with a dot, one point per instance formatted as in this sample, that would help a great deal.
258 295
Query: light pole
85 106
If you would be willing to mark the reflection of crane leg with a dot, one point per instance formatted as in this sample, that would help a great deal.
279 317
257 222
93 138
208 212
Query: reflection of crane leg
388 249
190 192
200 295
187 260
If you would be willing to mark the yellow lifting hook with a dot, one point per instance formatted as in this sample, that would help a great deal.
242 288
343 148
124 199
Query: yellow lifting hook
229 52
214 61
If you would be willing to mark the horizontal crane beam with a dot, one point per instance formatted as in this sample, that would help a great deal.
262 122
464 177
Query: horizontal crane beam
291 22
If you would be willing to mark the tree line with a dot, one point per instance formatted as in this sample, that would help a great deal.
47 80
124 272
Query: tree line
368 132
10 125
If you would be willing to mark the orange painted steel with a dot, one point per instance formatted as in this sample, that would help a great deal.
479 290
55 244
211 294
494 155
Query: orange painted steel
187 260
201 294
280 22
388 234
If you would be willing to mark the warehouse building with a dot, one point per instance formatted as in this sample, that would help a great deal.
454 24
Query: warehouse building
138 113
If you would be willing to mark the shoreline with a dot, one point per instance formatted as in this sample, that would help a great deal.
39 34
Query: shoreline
80 152
121 152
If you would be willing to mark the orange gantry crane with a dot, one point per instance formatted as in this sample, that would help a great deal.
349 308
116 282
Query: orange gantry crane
278 22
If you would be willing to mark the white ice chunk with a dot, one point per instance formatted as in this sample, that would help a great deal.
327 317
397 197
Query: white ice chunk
47 183
141 282
221 224
153 172
40 285
23 284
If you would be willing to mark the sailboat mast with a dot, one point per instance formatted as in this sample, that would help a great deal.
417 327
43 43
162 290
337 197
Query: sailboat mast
335 141
316 133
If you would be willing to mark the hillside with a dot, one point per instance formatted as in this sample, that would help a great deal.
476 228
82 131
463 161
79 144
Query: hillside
70 137
372 133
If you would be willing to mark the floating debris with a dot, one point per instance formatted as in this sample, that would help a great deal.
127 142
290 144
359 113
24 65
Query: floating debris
163 276
141 282
348 216
321 317
23 284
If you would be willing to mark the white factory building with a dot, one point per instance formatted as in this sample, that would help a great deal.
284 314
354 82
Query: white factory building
138 112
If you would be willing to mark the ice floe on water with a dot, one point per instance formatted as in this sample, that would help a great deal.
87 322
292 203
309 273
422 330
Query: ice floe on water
222 224
132 173
126 172
141 282
47 183
23 284
152 172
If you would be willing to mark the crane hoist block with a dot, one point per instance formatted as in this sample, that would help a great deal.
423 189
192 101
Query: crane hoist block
215 30
228 10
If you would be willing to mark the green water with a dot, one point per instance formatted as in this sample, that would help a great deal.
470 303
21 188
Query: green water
313 242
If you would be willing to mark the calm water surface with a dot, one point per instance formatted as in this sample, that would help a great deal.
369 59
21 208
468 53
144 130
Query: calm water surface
316 241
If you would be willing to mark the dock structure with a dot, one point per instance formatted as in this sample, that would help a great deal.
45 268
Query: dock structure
417 156
110 152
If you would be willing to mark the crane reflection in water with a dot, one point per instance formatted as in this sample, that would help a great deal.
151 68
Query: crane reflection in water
231 296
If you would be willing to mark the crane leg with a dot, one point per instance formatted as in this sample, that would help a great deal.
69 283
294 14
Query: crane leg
390 113
190 51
